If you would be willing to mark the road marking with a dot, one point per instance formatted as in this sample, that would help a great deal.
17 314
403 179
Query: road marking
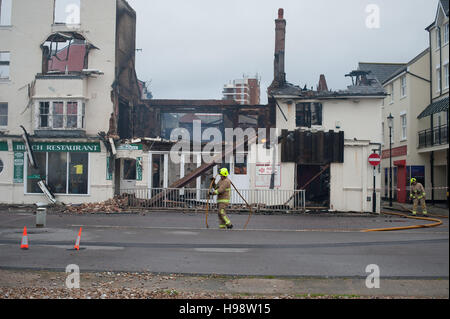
181 232
222 250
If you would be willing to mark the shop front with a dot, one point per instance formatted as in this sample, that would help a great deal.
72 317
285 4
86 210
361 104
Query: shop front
66 168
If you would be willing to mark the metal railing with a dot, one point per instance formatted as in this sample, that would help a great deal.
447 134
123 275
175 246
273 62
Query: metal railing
192 199
433 137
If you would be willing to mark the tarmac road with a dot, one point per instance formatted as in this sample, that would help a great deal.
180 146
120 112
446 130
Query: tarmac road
274 245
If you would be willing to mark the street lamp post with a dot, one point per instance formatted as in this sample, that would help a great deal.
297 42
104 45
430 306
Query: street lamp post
391 125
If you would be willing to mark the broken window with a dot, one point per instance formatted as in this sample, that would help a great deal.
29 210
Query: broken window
308 114
67 12
61 115
5 12
4 65
65 173
65 52
3 114
58 114
129 169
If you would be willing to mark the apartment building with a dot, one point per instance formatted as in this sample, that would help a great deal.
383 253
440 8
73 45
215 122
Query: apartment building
67 88
433 121
415 141
244 91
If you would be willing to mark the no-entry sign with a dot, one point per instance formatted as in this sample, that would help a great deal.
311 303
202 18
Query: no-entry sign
374 159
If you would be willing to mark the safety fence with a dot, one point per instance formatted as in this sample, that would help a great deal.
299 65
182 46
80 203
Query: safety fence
192 199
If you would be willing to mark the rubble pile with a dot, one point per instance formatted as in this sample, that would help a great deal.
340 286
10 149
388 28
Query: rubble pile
115 205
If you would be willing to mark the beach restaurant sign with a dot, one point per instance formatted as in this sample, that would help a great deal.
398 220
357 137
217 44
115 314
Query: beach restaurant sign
59 147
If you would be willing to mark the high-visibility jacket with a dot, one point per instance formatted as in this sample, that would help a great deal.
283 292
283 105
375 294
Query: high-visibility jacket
223 190
417 191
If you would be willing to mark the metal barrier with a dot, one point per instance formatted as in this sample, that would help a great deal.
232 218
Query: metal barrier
192 199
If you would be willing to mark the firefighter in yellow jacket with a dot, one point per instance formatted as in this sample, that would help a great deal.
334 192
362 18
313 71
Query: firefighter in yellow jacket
223 191
417 195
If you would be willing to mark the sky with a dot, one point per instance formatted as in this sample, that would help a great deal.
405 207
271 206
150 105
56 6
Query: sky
192 48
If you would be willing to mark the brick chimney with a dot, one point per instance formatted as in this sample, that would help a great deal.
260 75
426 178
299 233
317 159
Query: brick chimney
322 84
279 76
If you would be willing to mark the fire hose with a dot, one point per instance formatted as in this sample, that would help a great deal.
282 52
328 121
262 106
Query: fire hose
436 223
245 201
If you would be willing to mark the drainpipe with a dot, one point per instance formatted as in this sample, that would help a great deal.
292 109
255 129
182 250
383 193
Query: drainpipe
432 177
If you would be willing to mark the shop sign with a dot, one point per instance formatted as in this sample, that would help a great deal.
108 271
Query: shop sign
59 147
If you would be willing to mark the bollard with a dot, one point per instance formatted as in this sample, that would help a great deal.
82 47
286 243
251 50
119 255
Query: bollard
41 214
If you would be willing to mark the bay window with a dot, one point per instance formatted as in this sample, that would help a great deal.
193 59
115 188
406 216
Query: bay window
60 115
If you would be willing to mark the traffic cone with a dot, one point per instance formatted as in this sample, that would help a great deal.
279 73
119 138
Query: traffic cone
24 244
77 242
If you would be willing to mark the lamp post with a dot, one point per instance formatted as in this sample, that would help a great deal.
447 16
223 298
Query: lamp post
390 119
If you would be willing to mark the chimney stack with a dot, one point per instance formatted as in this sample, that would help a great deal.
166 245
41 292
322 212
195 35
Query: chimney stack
280 35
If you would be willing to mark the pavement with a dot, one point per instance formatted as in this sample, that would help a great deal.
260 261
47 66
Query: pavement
291 255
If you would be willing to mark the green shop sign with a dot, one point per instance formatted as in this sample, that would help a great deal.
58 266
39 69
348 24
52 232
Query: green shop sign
3 146
59 147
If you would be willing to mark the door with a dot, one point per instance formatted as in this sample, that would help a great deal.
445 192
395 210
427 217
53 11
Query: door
128 174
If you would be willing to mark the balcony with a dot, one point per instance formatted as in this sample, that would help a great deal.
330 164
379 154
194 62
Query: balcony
435 137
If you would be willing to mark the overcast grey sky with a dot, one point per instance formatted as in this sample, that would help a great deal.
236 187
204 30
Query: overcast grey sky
192 48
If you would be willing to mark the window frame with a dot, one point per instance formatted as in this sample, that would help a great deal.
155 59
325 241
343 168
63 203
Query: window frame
403 86
392 93
9 13
309 109
80 122
7 63
438 78
7 111
446 75
404 126
55 14
446 33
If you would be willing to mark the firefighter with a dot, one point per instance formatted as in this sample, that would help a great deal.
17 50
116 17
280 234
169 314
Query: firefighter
223 192
417 195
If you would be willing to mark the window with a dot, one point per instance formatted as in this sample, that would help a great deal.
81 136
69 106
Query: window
3 114
438 79
129 169
392 93
44 113
4 65
438 38
5 12
446 78
64 173
403 86
308 114
446 33
58 114
67 12
61 115
403 120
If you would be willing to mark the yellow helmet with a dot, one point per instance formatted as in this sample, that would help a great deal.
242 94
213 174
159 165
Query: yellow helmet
224 172
413 180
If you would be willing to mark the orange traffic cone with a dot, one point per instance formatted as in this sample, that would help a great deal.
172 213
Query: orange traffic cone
24 244
77 242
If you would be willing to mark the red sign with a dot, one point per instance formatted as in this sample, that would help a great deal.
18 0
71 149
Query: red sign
374 159
396 152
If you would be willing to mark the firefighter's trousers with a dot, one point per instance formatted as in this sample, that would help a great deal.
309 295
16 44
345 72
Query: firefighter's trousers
421 201
223 218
